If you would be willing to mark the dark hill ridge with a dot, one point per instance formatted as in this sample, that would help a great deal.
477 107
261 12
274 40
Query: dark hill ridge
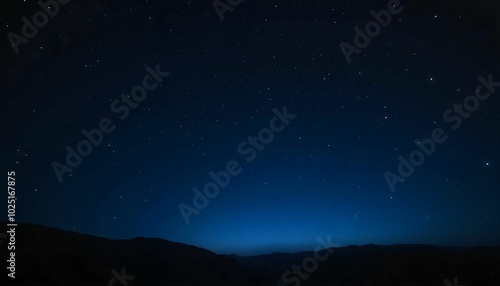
48 256
390 265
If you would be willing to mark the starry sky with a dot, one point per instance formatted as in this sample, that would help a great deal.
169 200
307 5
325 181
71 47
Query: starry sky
321 175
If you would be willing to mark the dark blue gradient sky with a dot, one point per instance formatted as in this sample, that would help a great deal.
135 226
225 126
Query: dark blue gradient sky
321 176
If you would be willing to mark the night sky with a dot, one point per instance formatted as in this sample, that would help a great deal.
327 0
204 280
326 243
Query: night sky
216 86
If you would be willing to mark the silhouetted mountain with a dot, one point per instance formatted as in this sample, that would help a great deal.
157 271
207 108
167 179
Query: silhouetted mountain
48 256
386 265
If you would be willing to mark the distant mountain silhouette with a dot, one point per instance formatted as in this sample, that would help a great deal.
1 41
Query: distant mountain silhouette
48 256
390 265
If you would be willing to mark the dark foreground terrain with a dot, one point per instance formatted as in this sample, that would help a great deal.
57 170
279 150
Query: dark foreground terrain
47 256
